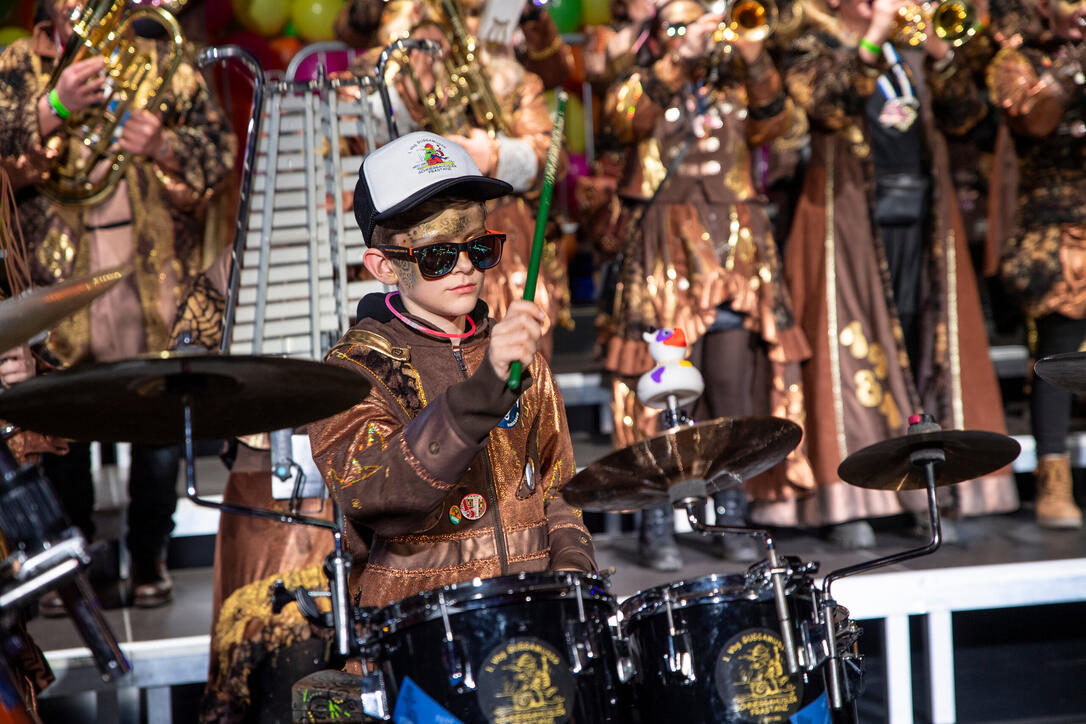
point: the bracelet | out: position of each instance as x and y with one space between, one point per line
58 108
870 47
545 52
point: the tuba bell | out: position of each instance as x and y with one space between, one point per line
462 97
952 21
88 170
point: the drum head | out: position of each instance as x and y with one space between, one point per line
489 593
695 592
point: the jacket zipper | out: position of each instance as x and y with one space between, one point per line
492 491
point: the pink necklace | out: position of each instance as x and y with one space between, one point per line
427 330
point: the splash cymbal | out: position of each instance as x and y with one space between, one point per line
25 316
723 453
969 454
142 400
1067 370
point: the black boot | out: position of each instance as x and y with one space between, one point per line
656 545
731 509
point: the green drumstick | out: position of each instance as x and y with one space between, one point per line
549 172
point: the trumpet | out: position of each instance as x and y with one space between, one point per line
102 28
952 21
751 20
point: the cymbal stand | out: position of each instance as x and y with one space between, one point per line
340 565
925 458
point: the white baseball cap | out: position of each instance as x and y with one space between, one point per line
402 174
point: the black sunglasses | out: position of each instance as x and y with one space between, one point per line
438 260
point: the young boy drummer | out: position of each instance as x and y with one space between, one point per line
453 475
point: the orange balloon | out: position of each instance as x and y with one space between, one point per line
285 47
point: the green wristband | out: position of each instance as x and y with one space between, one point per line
870 47
58 107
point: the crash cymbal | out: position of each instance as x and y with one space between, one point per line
969 454
1067 370
141 400
24 316
723 452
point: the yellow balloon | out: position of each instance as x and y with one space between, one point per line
12 33
595 12
264 17
313 19
574 125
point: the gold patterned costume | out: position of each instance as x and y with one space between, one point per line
859 382
165 203
703 258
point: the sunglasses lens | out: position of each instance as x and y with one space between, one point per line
437 260
486 251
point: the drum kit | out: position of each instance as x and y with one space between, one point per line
770 645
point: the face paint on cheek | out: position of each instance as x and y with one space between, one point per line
409 273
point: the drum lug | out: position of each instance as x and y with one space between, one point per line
457 667
581 645
680 659
375 696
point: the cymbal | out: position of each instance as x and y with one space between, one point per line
723 452
1067 370
24 316
969 454
142 400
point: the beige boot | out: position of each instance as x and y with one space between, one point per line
1055 504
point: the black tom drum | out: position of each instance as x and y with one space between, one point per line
532 648
710 650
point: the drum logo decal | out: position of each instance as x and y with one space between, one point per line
752 678
525 681
473 506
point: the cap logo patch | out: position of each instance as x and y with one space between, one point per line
432 157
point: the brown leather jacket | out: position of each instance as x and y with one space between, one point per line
454 476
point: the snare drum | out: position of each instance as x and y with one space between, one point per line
533 648
710 651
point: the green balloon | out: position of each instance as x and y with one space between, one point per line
313 19
566 14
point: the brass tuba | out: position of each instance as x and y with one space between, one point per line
103 28
462 98
953 21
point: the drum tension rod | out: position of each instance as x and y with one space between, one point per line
776 570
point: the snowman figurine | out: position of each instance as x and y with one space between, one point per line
673 382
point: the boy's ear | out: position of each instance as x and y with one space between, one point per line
380 267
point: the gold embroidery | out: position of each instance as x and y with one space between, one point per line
56 252
372 341
830 250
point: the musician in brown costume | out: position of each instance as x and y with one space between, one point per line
1038 81
878 264
700 254
154 217
515 155
449 472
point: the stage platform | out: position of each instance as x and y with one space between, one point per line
992 629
